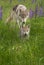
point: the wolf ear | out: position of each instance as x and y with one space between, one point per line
20 10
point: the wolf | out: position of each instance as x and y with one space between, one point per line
20 13
25 31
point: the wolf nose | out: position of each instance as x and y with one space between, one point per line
23 22
25 34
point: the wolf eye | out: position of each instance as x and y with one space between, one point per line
27 30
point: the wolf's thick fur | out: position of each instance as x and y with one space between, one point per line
20 13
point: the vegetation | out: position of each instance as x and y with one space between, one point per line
17 51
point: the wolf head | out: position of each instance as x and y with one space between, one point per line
23 14
24 31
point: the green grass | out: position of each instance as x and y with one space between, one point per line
17 51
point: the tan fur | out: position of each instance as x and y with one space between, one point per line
24 31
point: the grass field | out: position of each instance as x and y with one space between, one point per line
16 51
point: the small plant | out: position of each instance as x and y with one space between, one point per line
0 12
31 13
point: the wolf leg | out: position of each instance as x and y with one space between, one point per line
10 17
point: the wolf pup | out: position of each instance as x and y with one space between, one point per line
24 31
20 13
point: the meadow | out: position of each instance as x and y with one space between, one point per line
17 51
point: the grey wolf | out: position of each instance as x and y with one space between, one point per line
20 13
